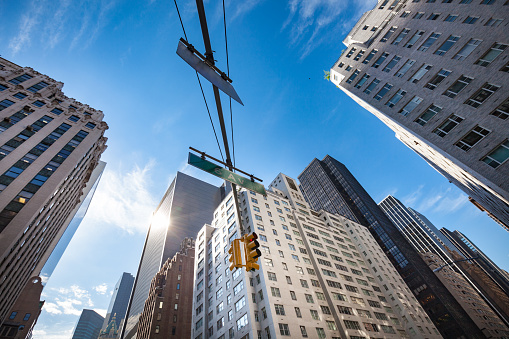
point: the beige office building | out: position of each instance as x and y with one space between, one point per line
321 276
436 73
49 146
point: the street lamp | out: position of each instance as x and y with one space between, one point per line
440 267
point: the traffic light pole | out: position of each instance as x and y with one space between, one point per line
209 56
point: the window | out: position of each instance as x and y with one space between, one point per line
470 20
240 303
314 314
433 16
272 276
387 87
37 87
303 331
451 40
490 55
428 114
467 49
392 63
13 315
482 95
395 98
458 86
418 15
380 60
280 310
56 111
405 14
348 68
353 76
411 105
401 36
359 55
493 22
437 79
19 95
502 111
497 157
275 292
420 73
448 125
292 295
283 329
388 34
429 41
372 86
370 56
242 322
20 79
5 103
239 287
404 68
304 283
309 298
472 138
38 103
352 325
414 39
451 17
325 310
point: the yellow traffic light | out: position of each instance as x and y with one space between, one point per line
235 255
251 251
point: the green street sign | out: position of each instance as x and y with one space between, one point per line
223 173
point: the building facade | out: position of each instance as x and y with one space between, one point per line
329 185
169 306
119 301
88 325
426 239
187 205
49 146
436 73
320 276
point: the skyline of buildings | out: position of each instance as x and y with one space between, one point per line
185 207
88 325
50 145
329 185
427 240
436 74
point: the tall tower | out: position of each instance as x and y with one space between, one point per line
88 325
321 275
329 185
436 73
426 239
119 301
49 146
187 205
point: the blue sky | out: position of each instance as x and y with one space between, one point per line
119 57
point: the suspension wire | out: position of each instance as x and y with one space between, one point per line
228 73
199 82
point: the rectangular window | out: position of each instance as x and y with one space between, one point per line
5 103
470 20
458 86
352 325
392 63
380 60
433 16
401 36
467 49
387 87
493 22
428 114
37 87
429 41
359 55
418 15
414 39
361 82
448 125
38 103
451 17
498 156
472 138
370 56
437 79
412 104
19 95
353 76
20 79
372 86
351 52
502 111
451 40
284 329
482 95
420 73
402 71
491 55
388 34
395 99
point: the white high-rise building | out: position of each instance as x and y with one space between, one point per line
321 276
437 73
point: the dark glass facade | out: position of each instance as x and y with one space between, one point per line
88 325
326 180
119 300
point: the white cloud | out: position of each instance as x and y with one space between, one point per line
413 197
28 22
101 311
58 334
123 199
101 289
68 300
55 30
437 200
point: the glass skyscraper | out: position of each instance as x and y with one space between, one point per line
329 185
187 205
119 300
